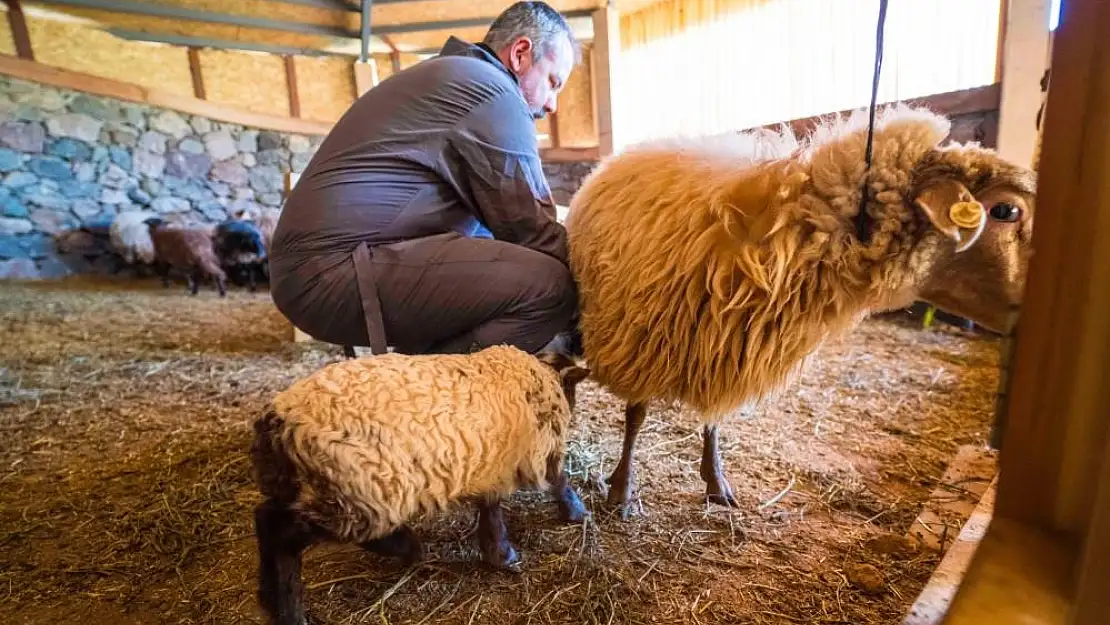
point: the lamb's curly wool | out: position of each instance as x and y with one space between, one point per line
376 442
710 271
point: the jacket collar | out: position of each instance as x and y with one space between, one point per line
458 47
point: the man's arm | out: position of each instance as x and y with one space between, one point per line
493 158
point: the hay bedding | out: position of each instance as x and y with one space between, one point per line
126 498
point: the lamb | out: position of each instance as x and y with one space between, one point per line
130 236
265 218
239 246
188 248
362 447
764 263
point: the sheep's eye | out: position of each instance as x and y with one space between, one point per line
1004 211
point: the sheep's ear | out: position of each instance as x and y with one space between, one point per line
954 211
575 374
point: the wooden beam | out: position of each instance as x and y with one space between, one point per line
291 86
77 81
366 76
950 104
607 46
1023 63
1003 11
553 130
18 24
1054 422
394 53
569 155
194 69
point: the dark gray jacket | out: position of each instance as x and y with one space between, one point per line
446 145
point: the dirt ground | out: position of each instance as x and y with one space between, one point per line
125 415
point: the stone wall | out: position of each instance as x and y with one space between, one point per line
564 178
69 162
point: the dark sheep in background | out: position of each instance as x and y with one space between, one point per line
241 251
187 248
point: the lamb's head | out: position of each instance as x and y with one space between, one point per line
981 209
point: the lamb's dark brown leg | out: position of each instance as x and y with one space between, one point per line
194 281
622 482
402 543
163 271
717 488
349 351
571 509
493 537
282 539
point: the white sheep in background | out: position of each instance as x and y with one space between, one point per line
359 449
130 236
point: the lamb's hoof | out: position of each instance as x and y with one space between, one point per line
571 508
402 544
719 492
503 557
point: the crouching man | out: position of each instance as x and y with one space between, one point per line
424 220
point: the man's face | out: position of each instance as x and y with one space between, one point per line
541 80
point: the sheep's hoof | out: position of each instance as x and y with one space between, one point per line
502 556
718 491
622 494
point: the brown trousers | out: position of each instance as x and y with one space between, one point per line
442 294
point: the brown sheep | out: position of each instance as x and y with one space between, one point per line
188 248
710 275
356 451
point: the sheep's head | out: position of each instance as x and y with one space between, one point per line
570 374
154 222
981 211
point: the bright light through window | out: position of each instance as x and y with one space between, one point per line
1054 15
777 60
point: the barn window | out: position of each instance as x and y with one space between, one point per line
705 67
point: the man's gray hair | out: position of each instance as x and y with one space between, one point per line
535 20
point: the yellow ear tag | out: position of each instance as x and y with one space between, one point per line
966 214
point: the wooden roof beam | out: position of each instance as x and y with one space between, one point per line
175 12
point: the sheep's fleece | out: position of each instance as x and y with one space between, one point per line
376 441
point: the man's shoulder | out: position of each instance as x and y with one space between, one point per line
464 69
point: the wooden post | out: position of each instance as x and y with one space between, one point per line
299 336
194 69
18 24
1023 62
553 129
291 84
366 76
607 48
1046 556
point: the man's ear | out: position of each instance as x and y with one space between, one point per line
954 211
519 51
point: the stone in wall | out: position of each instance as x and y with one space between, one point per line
565 178
70 162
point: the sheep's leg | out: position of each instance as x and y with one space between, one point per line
622 482
717 488
221 285
402 543
163 271
250 279
570 505
282 539
194 281
493 537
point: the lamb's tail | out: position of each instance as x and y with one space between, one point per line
274 472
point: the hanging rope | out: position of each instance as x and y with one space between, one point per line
863 220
